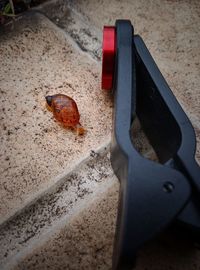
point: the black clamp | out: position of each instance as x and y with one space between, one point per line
152 195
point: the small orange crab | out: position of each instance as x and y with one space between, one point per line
65 111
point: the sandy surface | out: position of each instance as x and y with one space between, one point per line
38 60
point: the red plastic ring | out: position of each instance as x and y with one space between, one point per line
108 57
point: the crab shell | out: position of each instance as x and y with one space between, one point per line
65 111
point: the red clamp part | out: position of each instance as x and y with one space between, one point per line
108 57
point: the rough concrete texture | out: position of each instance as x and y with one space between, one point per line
93 176
87 37
39 60
92 251
83 243
71 224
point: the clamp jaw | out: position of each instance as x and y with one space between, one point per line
152 195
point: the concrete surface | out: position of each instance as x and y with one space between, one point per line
58 192
38 61
90 233
80 188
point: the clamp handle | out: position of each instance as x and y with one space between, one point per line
152 195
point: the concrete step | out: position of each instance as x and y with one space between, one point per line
59 194
39 59
62 203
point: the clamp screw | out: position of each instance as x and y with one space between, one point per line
168 187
